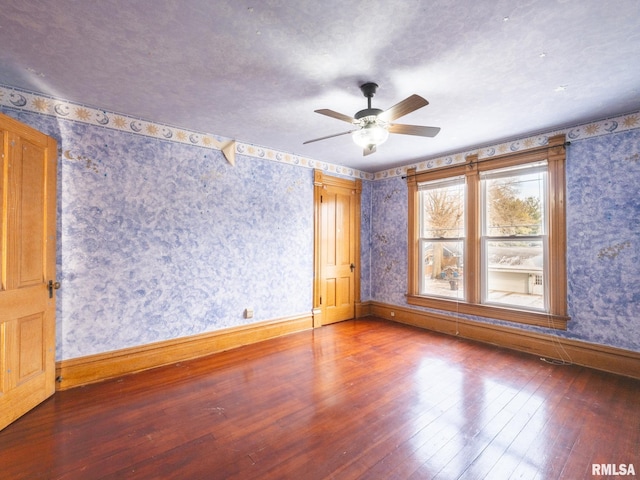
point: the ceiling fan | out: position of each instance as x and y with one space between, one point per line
375 125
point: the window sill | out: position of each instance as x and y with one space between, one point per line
527 317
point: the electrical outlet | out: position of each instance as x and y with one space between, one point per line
393 314
248 312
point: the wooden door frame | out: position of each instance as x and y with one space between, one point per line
320 182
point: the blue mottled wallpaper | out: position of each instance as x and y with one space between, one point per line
603 244
365 240
603 228
389 241
161 240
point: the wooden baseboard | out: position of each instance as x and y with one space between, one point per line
600 357
363 309
317 317
95 368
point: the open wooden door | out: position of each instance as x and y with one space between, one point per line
28 162
337 245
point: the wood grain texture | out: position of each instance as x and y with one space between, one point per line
28 162
600 357
362 399
96 368
337 212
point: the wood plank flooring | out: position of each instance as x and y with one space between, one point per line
363 399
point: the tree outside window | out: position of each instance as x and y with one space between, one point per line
513 238
442 247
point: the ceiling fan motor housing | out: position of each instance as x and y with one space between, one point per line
367 112
368 90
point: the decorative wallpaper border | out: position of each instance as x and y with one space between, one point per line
621 123
15 98
282 157
19 99
46 105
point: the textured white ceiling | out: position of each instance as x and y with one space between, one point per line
255 70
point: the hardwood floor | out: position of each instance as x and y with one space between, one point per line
359 399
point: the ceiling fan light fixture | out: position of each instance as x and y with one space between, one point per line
370 134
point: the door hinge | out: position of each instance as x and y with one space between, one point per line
320 300
320 198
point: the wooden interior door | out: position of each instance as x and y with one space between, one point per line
337 247
28 161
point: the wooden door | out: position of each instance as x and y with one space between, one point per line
337 288
28 240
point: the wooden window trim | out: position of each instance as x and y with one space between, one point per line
555 155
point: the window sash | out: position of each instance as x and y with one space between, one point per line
455 183
515 286
539 168
528 168
447 281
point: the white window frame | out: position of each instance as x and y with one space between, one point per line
425 187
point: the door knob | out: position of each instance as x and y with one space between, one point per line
53 286
352 267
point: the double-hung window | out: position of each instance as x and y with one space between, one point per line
514 251
487 237
442 237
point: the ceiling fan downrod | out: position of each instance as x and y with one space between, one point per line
368 90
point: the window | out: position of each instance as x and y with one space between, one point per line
487 237
442 238
513 239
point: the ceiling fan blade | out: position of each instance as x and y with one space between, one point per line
328 136
332 114
414 130
408 105
369 150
